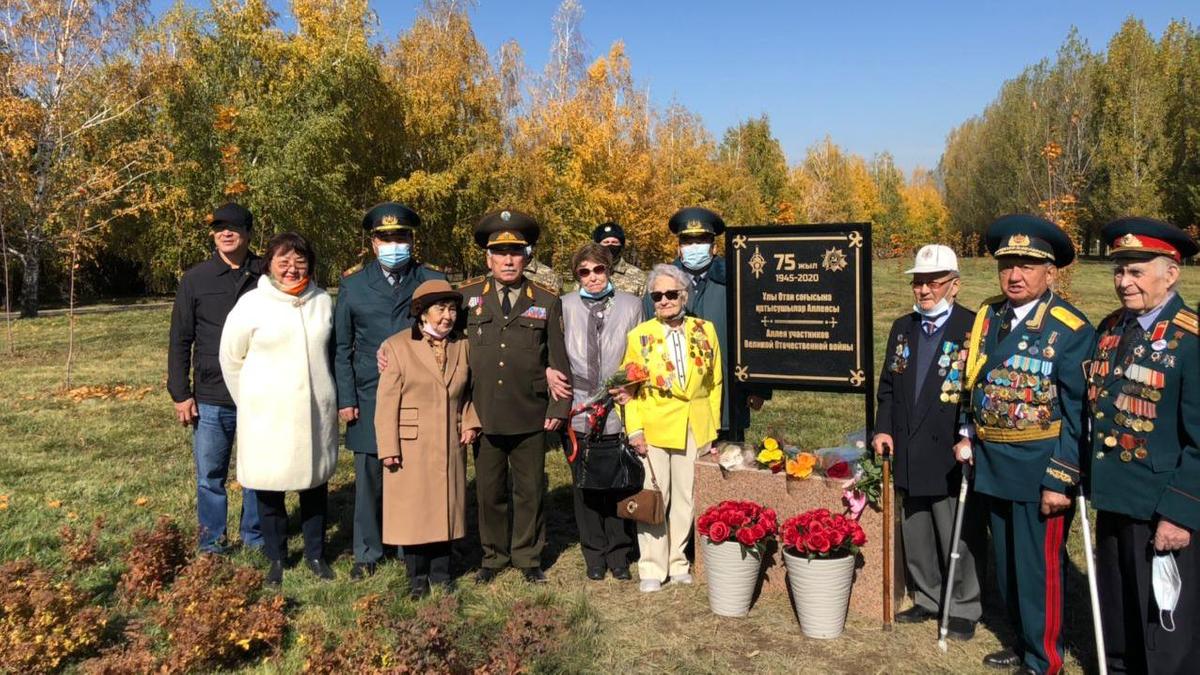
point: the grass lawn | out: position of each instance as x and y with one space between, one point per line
66 461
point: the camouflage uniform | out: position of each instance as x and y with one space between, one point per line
628 278
543 275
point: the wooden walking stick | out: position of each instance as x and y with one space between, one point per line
885 489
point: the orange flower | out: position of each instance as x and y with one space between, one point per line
54 503
802 465
141 501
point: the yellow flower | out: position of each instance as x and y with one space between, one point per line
802 466
770 456
770 443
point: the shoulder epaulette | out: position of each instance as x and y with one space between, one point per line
435 268
1110 320
472 281
1069 318
351 270
1186 319
544 288
991 301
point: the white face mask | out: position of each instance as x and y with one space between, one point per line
942 305
433 332
1164 578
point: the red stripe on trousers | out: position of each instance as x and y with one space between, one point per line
1054 600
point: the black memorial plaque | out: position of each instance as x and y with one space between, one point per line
800 307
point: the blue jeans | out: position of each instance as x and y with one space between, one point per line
212 445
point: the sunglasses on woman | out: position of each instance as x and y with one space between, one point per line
584 272
659 295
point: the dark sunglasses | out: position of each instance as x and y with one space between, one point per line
585 271
659 295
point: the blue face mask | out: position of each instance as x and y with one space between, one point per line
394 255
696 256
608 288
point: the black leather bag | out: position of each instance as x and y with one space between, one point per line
608 463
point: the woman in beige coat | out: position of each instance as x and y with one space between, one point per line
423 420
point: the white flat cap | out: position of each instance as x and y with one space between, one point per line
934 258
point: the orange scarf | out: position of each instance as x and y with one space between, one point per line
295 290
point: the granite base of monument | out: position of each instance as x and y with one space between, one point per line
791 497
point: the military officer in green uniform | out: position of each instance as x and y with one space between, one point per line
1144 473
372 305
624 276
515 330
1025 421
542 275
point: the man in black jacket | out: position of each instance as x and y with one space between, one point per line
920 392
206 294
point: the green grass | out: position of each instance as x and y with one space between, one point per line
99 457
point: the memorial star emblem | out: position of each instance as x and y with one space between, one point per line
834 260
757 263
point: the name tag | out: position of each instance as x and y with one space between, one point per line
535 313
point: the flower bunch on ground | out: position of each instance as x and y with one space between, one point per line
745 522
821 534
770 455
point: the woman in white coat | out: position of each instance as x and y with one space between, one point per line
275 356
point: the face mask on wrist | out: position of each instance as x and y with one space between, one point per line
393 255
696 256
942 306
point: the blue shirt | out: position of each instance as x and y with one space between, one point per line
1146 320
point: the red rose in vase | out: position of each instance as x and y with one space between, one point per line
718 533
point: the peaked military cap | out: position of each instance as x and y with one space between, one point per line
695 220
1029 236
390 217
231 216
1145 238
606 230
506 228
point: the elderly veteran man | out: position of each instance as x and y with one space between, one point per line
515 329
624 277
1144 474
1025 389
372 305
920 394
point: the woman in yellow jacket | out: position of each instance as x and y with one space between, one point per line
673 418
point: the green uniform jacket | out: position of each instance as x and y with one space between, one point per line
1143 473
1027 399
368 311
509 357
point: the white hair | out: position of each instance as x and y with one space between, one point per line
664 270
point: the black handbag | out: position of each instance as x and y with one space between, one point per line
607 463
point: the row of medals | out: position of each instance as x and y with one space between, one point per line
950 366
1136 404
1019 392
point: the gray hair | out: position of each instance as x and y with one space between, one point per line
664 270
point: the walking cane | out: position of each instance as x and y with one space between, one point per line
885 488
1093 590
955 542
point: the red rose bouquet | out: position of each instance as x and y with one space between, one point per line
821 534
747 523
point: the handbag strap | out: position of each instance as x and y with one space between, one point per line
653 478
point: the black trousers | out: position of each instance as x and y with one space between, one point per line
525 456
1134 640
273 515
368 508
428 562
606 540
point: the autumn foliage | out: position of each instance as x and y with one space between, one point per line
44 622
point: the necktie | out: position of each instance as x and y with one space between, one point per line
930 323
506 300
1006 319
396 277
1132 333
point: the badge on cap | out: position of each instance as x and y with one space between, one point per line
1018 240
389 221
505 216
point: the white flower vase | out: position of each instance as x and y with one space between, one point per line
821 592
731 576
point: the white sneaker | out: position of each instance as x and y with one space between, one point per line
684 578
650 585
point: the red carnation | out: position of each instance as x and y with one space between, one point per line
718 533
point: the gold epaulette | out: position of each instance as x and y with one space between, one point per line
1110 320
351 270
1069 318
474 280
1186 319
435 268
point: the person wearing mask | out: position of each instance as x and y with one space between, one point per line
206 293
672 418
624 276
423 420
373 304
596 319
1024 415
1144 471
920 394
275 357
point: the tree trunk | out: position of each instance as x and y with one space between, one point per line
29 281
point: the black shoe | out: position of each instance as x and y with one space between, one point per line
534 575
1005 658
596 573
622 574
915 614
320 568
275 573
1025 670
362 570
958 628
485 575
419 588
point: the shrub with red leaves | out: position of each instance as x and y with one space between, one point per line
153 561
81 550
43 623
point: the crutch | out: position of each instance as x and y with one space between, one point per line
1093 590
955 541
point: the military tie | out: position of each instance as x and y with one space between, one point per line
1006 319
506 300
1132 333
396 278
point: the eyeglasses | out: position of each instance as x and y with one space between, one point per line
933 285
298 265
584 272
670 295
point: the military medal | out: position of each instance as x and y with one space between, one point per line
1023 345
1048 352
1158 345
1139 350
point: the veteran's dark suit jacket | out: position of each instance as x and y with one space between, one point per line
924 429
368 311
